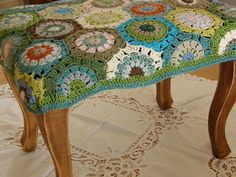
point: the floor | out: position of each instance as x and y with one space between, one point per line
209 73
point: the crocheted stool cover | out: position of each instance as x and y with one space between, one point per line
63 52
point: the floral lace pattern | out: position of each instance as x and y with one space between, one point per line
5 91
128 162
225 167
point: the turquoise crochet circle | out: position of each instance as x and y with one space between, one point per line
151 32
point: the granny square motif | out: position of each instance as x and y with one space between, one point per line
63 52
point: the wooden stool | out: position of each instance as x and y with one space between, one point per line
66 54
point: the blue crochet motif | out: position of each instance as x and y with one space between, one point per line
158 46
64 11
73 73
180 38
50 60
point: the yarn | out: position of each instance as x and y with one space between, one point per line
60 53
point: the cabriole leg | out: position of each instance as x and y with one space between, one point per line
54 128
30 132
223 101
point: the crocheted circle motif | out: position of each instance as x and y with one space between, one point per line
22 9
196 21
107 3
75 79
150 32
227 42
134 61
103 18
182 54
15 20
224 40
63 11
54 29
96 41
187 47
149 8
41 55
200 4
225 11
84 71
99 44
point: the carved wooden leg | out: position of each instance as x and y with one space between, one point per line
54 128
223 101
30 132
163 96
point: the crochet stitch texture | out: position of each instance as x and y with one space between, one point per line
63 52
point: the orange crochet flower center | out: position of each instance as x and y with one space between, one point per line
155 9
39 52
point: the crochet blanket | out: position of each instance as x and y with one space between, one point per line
61 53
